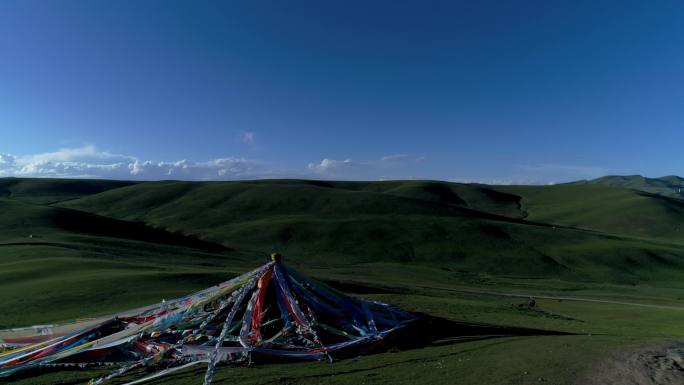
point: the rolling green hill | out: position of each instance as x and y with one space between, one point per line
610 259
671 185
51 256
574 232
606 209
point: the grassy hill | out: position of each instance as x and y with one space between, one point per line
671 185
54 261
54 190
72 248
576 232
607 209
360 221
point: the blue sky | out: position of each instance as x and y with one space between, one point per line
493 91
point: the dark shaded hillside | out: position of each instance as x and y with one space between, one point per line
476 197
53 190
25 223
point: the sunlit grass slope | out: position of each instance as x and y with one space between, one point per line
602 208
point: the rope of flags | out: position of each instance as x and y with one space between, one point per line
272 313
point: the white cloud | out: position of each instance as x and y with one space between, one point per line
396 164
248 137
86 154
6 159
331 165
83 161
88 162
402 158
223 168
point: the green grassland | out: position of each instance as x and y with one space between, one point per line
72 249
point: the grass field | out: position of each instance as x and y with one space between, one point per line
72 249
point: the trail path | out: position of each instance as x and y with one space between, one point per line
543 296
655 365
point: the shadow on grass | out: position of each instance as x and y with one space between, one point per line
428 330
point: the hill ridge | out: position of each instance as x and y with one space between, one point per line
669 185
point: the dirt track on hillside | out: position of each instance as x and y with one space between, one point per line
655 365
552 297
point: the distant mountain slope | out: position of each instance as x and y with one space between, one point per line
238 200
407 221
672 185
364 220
477 197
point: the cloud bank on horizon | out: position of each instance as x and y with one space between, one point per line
90 162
